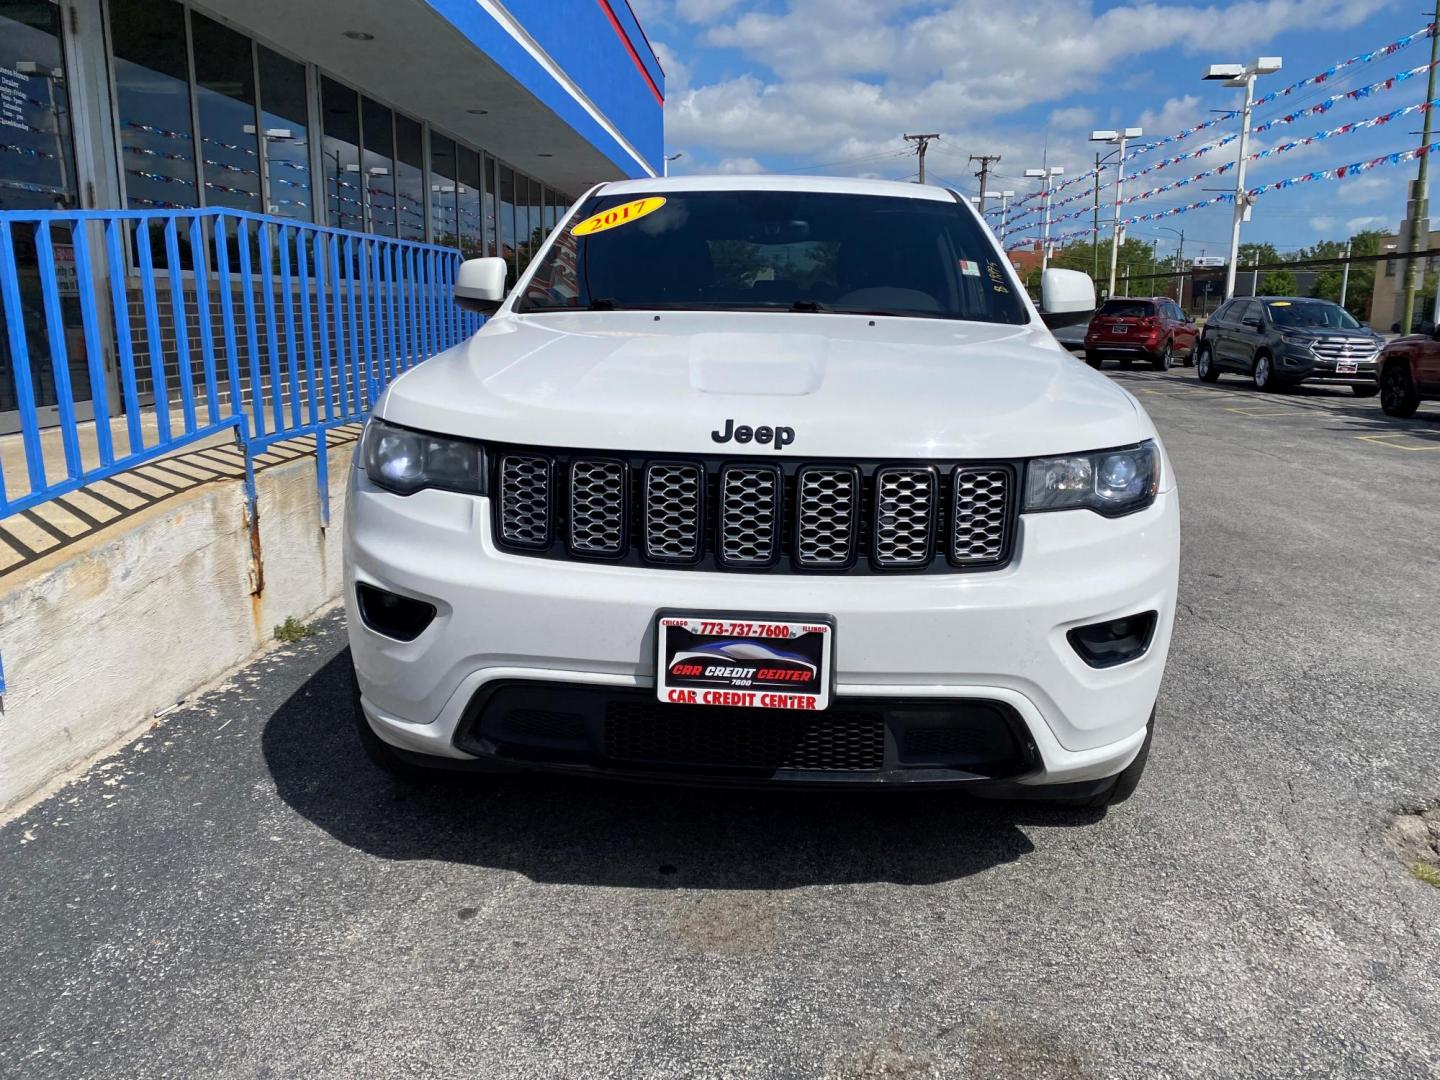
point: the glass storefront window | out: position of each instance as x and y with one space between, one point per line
471 243
488 203
37 172
442 190
507 218
225 100
285 134
152 91
377 166
409 178
37 158
340 156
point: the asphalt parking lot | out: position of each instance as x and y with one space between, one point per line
238 894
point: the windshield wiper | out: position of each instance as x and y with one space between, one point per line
601 303
808 305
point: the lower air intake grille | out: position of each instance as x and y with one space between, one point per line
835 741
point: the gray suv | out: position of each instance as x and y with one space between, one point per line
1280 341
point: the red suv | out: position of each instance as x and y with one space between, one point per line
1150 328
1409 371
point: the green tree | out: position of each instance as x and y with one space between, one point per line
1278 283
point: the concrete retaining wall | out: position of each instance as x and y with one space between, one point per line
103 634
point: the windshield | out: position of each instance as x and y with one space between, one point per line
1136 309
775 250
1311 314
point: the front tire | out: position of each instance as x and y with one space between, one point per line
1093 359
1399 396
1263 374
1205 369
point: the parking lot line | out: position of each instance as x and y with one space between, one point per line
1251 411
1389 440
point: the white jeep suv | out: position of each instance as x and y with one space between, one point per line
764 479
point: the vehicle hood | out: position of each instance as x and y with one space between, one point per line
848 386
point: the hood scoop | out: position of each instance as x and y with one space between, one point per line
788 365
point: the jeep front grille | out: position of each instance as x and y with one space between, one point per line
810 517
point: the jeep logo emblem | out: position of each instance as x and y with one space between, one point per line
780 436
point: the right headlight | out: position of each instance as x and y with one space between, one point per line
1110 482
405 461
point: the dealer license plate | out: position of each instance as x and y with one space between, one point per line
745 661
1346 367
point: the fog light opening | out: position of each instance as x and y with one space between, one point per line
1117 641
400 617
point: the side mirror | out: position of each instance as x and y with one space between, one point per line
1065 293
480 285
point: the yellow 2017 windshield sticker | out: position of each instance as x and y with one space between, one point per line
616 216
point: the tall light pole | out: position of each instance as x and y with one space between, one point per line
1419 208
1179 263
1241 76
1117 231
1046 177
669 158
1005 197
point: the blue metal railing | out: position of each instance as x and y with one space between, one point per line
217 320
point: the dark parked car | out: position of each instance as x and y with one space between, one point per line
1280 341
1140 328
1409 373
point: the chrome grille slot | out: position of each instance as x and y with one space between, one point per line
525 500
904 515
980 515
674 496
827 513
597 507
749 528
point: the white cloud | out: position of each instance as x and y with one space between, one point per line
1077 117
1368 189
1322 223
832 78
703 11
739 165
1375 221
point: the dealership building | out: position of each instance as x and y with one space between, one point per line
469 124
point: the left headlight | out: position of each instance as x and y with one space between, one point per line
404 461
1110 482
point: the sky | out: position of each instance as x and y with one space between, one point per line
830 86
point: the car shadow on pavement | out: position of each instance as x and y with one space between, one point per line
594 832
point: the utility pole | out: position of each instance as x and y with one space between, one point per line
984 171
921 142
1419 203
1345 273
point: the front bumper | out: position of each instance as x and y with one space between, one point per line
993 640
1302 365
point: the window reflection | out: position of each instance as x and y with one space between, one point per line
225 99
340 155
471 245
507 216
409 178
37 162
442 190
489 204
284 134
152 94
378 166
